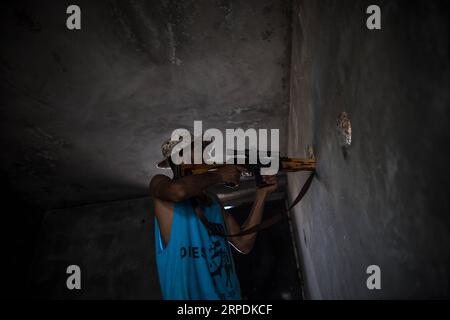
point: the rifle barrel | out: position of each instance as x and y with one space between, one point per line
286 165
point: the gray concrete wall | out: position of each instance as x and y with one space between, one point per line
112 243
84 113
385 201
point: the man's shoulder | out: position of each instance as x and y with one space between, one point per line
159 177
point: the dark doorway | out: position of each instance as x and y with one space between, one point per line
270 270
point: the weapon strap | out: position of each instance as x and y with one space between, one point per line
213 229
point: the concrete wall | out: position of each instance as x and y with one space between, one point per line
385 200
112 243
84 113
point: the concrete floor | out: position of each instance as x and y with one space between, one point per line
384 201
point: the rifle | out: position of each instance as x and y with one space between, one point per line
286 165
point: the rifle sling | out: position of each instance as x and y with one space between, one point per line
263 225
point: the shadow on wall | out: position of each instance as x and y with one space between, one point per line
21 224
113 245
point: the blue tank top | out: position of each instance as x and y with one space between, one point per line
194 264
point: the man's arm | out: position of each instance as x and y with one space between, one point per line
168 191
176 190
245 243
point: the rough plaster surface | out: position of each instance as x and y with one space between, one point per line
84 113
384 201
112 243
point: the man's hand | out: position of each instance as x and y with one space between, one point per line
272 182
245 243
230 174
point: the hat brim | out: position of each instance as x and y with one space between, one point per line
164 164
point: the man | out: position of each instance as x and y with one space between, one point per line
192 261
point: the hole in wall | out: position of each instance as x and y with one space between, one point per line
344 128
304 237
